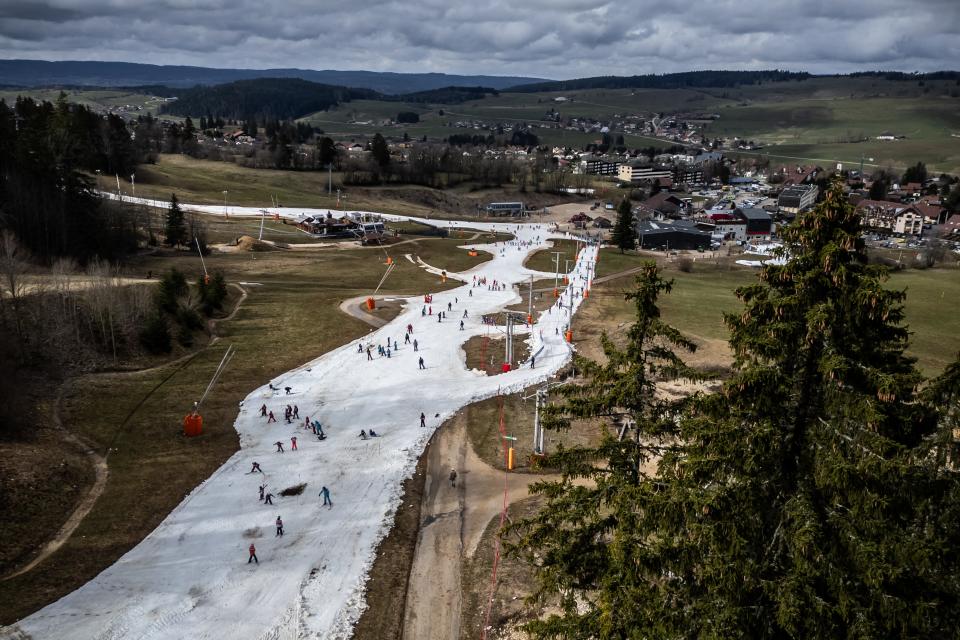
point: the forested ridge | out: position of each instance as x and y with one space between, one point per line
263 99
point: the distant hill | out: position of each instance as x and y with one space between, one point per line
448 95
664 81
263 99
37 73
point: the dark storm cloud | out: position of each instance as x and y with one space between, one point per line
551 38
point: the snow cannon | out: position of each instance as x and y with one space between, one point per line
566 279
371 304
510 459
389 260
556 292
192 424
568 335
472 253
586 293
529 318
506 367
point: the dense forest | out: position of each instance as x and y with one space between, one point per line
448 95
47 199
263 99
665 81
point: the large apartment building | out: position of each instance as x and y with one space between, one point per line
641 172
797 199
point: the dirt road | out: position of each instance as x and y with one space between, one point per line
453 518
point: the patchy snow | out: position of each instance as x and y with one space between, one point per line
190 577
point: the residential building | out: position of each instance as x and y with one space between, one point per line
601 166
797 199
687 174
641 172
663 205
893 217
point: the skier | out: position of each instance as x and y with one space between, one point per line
461 325
296 412
263 411
409 328
271 418
415 345
423 419
359 347
453 477
325 493
449 306
253 555
279 446
533 361
287 389
465 314
268 499
440 317
422 366
363 434
406 339
471 293
262 487
279 527
388 353
373 434
293 443
256 468
423 311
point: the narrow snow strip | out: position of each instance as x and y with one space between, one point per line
190 577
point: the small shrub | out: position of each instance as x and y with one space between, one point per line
185 336
155 335
295 490
685 264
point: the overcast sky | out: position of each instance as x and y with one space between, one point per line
545 38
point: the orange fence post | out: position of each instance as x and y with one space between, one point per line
510 459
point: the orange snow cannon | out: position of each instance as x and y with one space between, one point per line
568 335
192 424
371 304
556 292
389 260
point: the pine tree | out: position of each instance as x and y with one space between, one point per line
624 235
176 228
811 498
586 538
380 152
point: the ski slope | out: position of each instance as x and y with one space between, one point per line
190 577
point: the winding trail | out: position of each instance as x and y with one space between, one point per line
190 577
99 462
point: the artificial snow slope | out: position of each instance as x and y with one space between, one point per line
190 577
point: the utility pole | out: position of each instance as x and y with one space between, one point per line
556 275
508 356
530 303
330 179
225 203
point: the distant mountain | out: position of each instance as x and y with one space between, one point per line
36 73
663 81
263 99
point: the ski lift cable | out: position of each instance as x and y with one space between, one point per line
227 357
390 269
